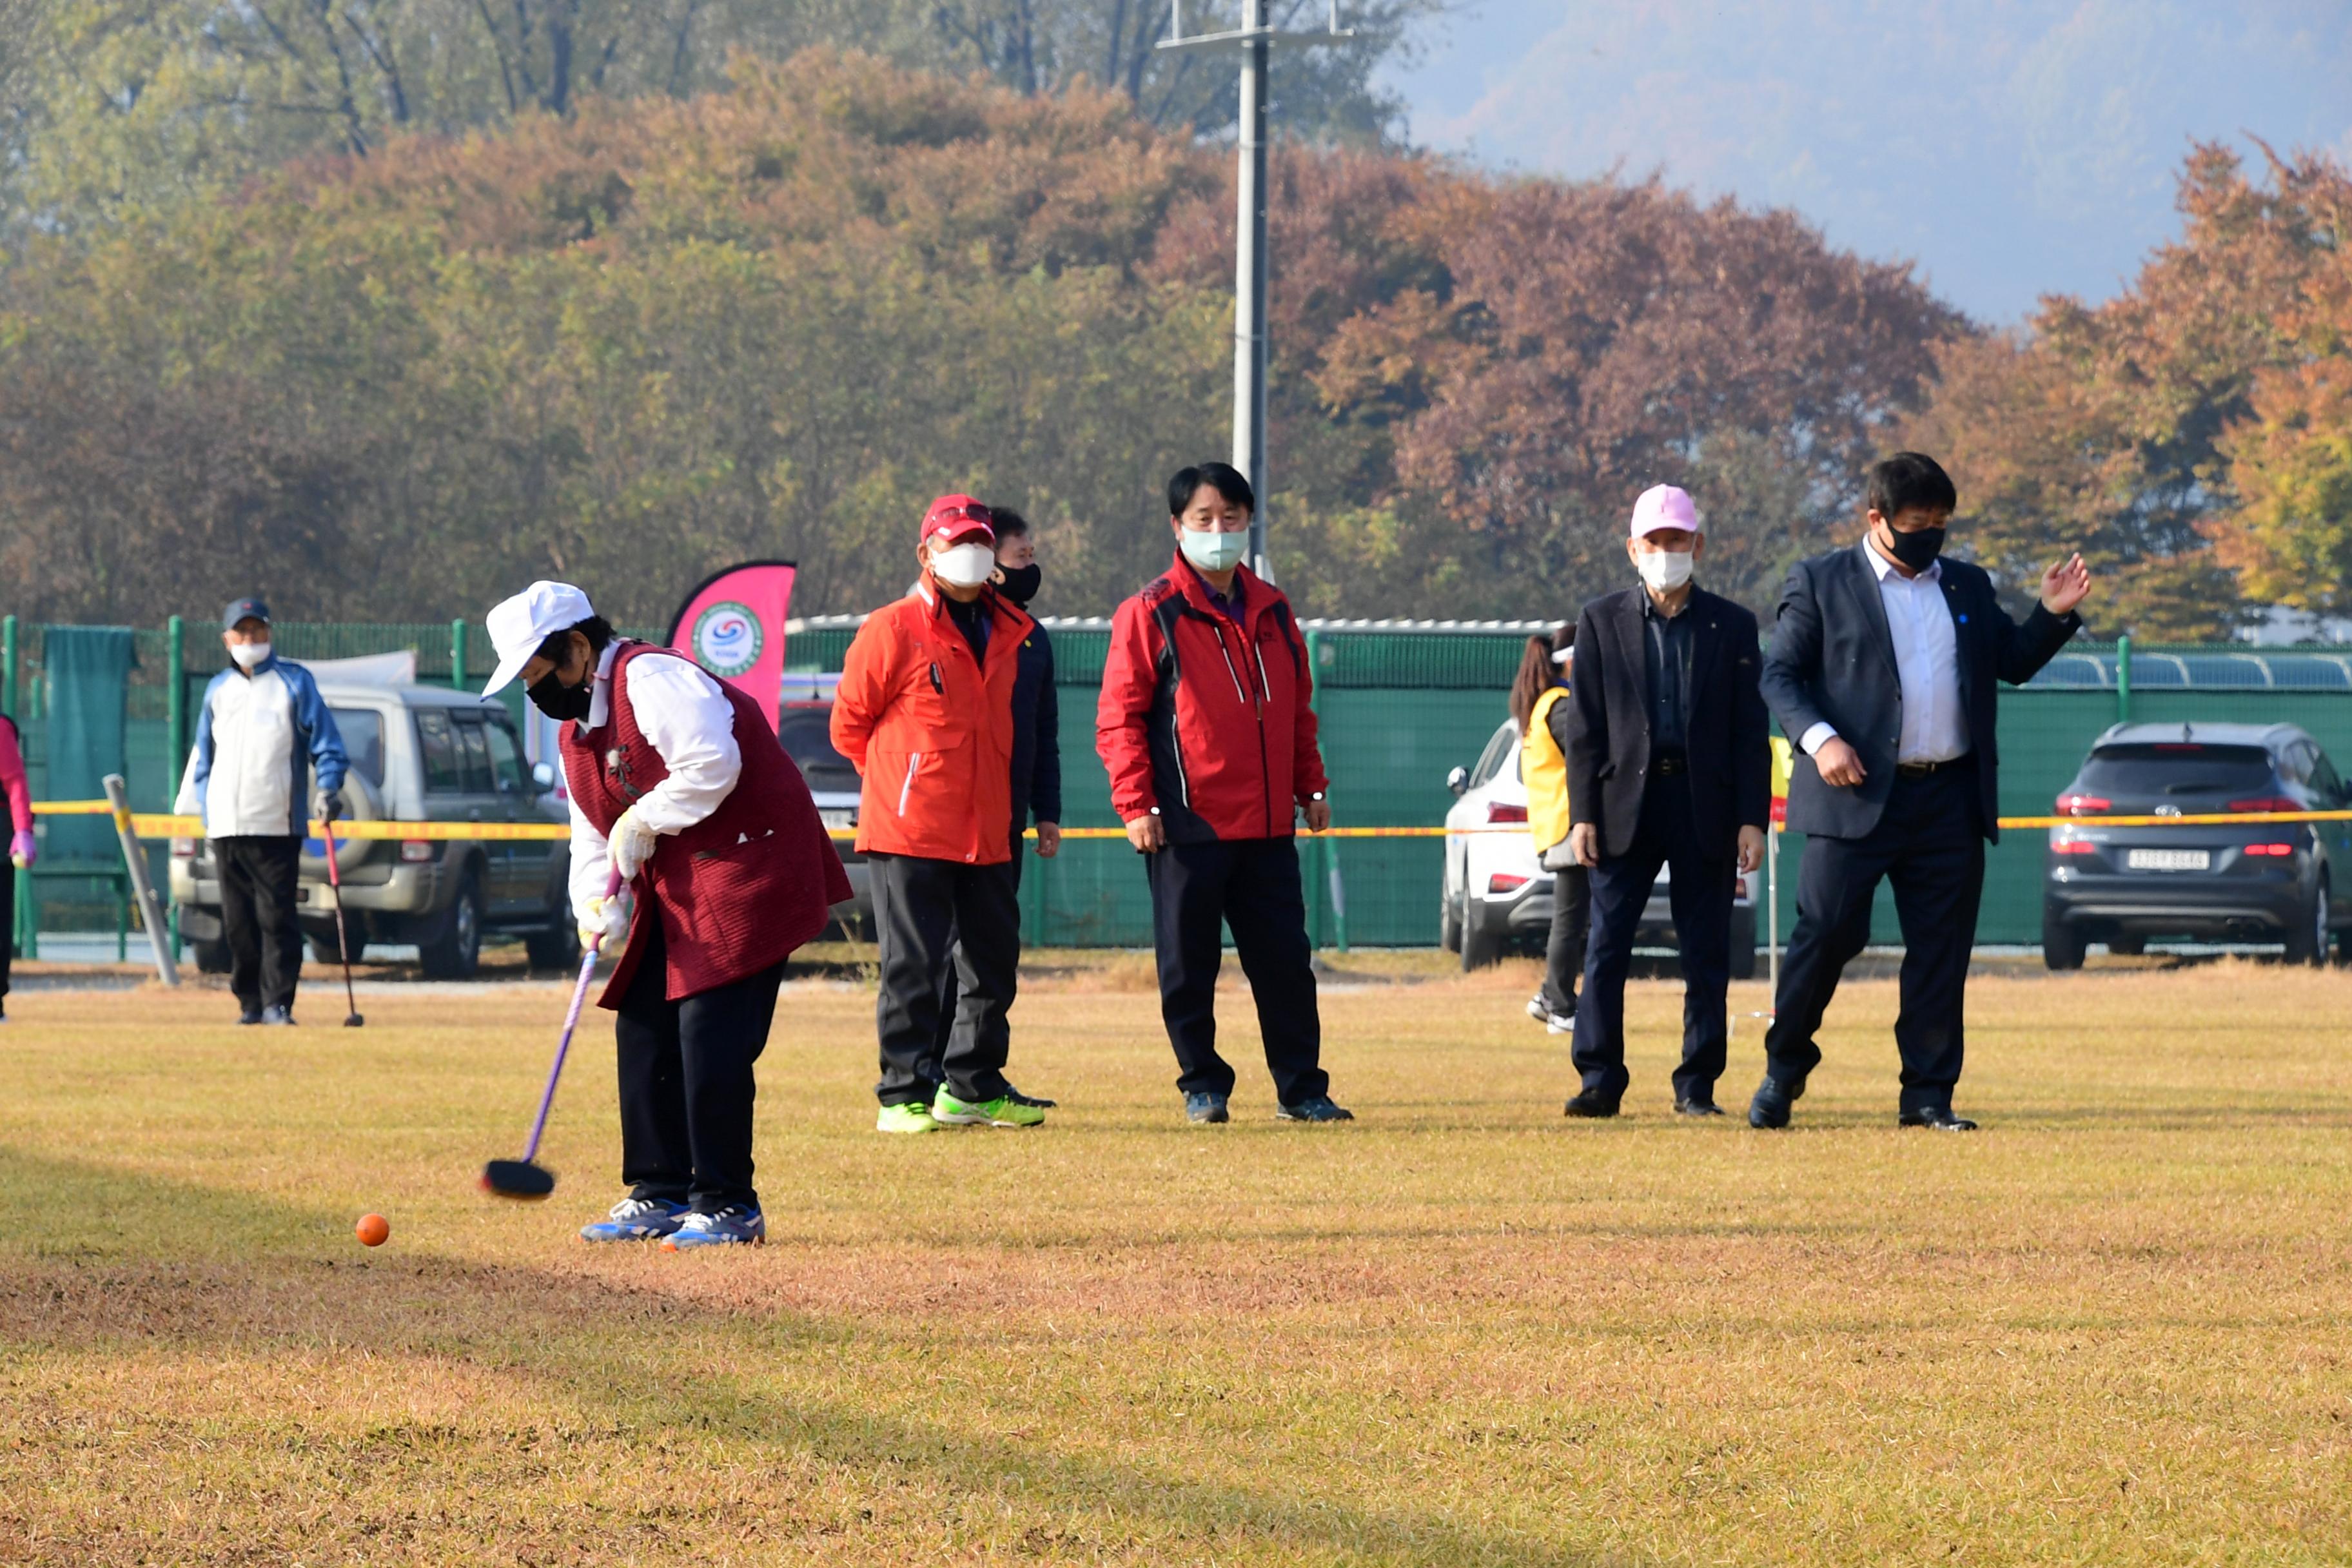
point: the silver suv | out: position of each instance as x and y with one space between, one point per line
419 753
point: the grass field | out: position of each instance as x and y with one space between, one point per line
2114 1327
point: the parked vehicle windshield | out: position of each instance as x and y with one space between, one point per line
2174 768
363 732
807 735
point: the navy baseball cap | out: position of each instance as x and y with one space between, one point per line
242 610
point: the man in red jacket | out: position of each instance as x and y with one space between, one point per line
925 712
1205 728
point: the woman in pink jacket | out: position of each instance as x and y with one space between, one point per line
22 850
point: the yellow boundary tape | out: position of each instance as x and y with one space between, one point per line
155 825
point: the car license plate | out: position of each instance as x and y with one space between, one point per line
2170 859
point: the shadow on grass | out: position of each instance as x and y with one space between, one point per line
152 1262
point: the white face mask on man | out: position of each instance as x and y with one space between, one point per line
964 565
1663 570
248 654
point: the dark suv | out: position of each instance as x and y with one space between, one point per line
2234 881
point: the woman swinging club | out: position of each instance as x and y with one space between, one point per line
679 786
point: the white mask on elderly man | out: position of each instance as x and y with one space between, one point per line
964 565
1664 569
248 654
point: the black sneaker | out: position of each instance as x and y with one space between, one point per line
1318 1109
1203 1107
1589 1105
1017 1098
250 1015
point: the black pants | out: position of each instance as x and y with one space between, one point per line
685 1079
931 916
1701 892
1930 845
8 925
257 879
951 993
1252 885
1571 918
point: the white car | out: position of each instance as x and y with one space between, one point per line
1497 896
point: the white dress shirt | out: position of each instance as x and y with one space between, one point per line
690 725
1927 661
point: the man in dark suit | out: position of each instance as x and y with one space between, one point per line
1669 763
1883 670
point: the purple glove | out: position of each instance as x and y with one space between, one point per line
24 849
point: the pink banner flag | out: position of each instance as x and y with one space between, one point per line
733 626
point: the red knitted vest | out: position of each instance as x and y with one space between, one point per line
742 888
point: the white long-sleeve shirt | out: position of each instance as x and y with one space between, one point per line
687 718
1926 662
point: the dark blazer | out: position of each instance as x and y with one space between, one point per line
1036 733
1727 735
1832 658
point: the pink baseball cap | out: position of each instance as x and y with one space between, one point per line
957 517
1664 506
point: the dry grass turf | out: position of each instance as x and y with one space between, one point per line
2116 1327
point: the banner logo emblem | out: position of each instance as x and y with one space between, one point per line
727 638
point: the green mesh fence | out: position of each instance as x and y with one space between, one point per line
1400 705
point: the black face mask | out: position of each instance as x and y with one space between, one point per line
556 701
1916 551
1020 584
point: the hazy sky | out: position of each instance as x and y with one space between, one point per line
2011 147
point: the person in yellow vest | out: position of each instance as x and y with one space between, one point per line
1537 694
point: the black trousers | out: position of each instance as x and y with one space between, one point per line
1252 885
951 993
257 879
1571 920
7 925
685 1079
1930 845
931 916
1701 893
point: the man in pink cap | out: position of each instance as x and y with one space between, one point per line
925 712
1669 763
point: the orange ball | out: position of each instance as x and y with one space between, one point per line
373 1229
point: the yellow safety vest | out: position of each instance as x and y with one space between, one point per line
1544 769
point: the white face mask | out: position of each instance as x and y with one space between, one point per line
964 565
1663 570
1214 552
248 654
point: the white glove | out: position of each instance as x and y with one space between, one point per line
605 920
632 845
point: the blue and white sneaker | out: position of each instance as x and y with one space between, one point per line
727 1227
635 1219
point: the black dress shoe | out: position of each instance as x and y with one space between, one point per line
1770 1109
250 1015
1590 1105
1939 1117
1697 1108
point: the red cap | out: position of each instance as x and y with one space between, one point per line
957 517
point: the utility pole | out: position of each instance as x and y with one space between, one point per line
1255 38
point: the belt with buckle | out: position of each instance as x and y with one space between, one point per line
1921 770
1668 765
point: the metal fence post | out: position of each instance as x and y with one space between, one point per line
2123 678
457 654
175 643
8 666
134 860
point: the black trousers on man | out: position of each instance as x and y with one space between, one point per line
952 994
1701 892
8 928
1571 922
929 916
685 1079
1252 885
1929 844
257 879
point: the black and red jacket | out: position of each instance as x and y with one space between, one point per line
1204 718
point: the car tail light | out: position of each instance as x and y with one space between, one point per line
2083 804
1504 882
2074 847
184 848
2266 803
2270 849
415 849
1500 811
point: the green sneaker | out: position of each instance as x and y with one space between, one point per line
1005 1110
915 1117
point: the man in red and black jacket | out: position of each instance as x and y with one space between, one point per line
1206 731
